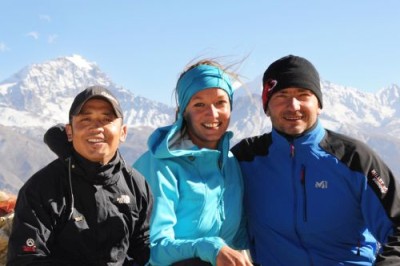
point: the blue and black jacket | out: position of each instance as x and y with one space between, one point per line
319 199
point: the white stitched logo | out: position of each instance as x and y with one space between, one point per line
322 184
29 246
124 199
30 242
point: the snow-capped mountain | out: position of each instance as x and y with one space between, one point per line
40 95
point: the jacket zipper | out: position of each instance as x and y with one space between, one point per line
303 184
291 150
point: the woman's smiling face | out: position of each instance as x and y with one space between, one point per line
207 116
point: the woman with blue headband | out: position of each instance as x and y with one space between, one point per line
196 182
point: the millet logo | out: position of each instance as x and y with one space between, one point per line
321 184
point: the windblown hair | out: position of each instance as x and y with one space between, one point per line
211 62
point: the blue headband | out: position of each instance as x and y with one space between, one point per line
200 78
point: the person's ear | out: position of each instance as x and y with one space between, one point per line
267 112
124 133
68 131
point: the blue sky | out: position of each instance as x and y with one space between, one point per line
143 45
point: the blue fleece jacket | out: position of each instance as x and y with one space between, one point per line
318 199
198 198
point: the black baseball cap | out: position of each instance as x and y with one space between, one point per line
94 92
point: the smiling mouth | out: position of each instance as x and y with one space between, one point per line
95 140
293 118
212 125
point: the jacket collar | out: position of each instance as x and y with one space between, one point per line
96 173
311 137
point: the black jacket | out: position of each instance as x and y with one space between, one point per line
75 212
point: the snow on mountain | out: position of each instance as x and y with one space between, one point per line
40 95
350 106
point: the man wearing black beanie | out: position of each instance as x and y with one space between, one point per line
313 196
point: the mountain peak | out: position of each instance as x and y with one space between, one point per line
79 61
40 91
39 94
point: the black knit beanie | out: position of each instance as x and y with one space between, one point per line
290 71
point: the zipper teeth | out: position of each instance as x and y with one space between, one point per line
303 183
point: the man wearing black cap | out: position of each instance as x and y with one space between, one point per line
312 196
87 208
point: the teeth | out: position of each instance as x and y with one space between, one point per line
95 140
293 118
211 124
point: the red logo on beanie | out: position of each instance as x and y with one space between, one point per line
268 87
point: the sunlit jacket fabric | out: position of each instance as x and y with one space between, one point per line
197 198
319 199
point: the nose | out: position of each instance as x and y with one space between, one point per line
294 103
97 126
212 110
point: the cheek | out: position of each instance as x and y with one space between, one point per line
111 131
226 113
79 129
188 117
117 131
114 131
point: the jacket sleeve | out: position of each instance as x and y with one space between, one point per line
241 239
380 200
139 248
385 224
32 228
165 248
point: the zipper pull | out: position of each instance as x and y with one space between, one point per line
291 150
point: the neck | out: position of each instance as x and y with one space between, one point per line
293 137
